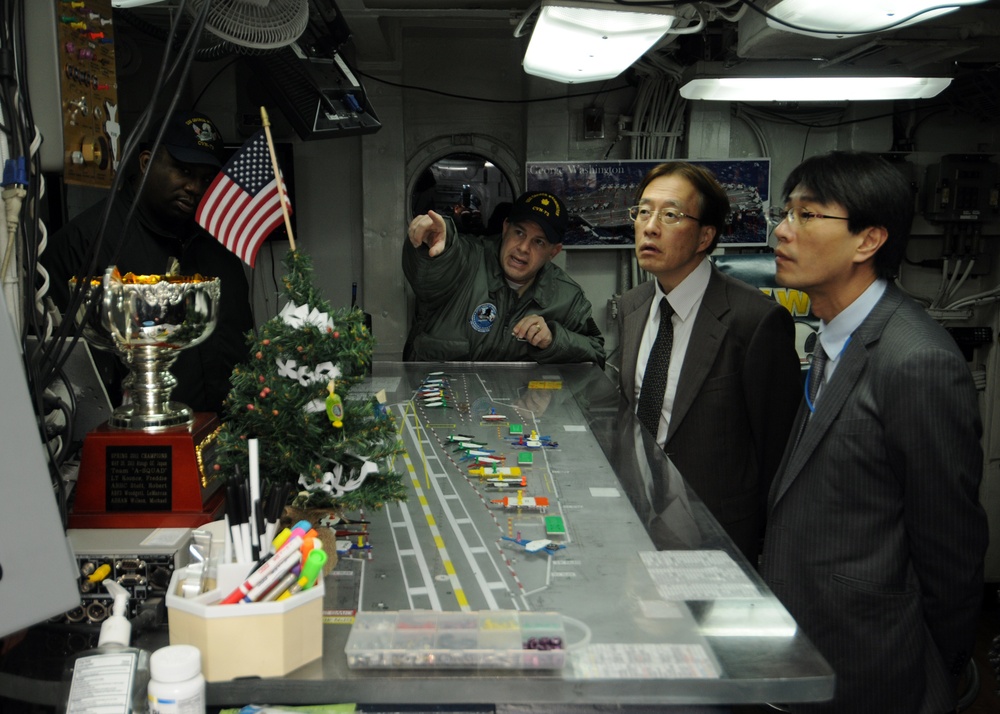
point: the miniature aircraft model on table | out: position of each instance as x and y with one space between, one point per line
539 503
501 483
543 545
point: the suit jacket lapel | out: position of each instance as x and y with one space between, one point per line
634 324
707 337
834 395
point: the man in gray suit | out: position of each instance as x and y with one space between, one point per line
721 396
875 536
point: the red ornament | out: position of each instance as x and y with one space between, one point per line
336 334
263 394
275 412
265 342
259 355
250 407
260 379
216 467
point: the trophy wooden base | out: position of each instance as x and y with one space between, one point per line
131 478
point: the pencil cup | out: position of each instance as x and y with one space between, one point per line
262 639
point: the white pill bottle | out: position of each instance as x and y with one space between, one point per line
176 685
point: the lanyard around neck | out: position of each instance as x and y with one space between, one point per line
809 374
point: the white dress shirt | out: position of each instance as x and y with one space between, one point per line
685 299
836 334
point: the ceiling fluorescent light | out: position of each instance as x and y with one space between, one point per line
848 18
785 82
591 41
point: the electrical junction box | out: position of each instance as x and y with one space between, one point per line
962 188
142 560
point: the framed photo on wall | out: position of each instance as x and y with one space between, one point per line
599 193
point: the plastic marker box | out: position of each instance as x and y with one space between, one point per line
489 639
257 639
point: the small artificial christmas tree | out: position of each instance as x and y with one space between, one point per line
293 397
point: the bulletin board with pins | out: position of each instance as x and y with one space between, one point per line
91 132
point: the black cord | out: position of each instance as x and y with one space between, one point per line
789 120
214 77
45 367
487 99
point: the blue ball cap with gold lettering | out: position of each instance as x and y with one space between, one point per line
191 137
545 209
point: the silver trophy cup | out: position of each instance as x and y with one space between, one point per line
147 320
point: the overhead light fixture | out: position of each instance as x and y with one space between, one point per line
855 17
802 82
576 42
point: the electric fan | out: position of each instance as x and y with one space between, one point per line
256 24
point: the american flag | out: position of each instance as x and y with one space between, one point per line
242 206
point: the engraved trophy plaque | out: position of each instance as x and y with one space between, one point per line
143 468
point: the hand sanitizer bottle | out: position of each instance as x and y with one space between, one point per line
113 676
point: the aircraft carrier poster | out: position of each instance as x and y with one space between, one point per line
599 193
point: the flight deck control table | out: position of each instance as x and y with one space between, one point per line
653 641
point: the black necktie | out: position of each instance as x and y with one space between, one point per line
654 378
816 373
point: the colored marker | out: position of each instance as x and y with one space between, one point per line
282 587
287 552
310 571
274 577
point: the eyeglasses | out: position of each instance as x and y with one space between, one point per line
667 216
801 216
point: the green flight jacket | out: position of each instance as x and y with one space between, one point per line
465 311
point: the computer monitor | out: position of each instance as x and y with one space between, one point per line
38 577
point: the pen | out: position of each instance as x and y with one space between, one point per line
233 513
308 541
278 497
281 588
279 540
260 562
288 552
257 528
241 489
254 501
284 567
227 542
310 571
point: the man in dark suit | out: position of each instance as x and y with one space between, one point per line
875 536
733 379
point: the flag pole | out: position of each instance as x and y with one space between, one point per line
277 177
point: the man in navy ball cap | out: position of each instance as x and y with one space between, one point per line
498 298
191 137
162 237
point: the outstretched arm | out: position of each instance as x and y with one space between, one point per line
428 230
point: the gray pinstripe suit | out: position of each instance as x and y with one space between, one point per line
875 536
739 387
